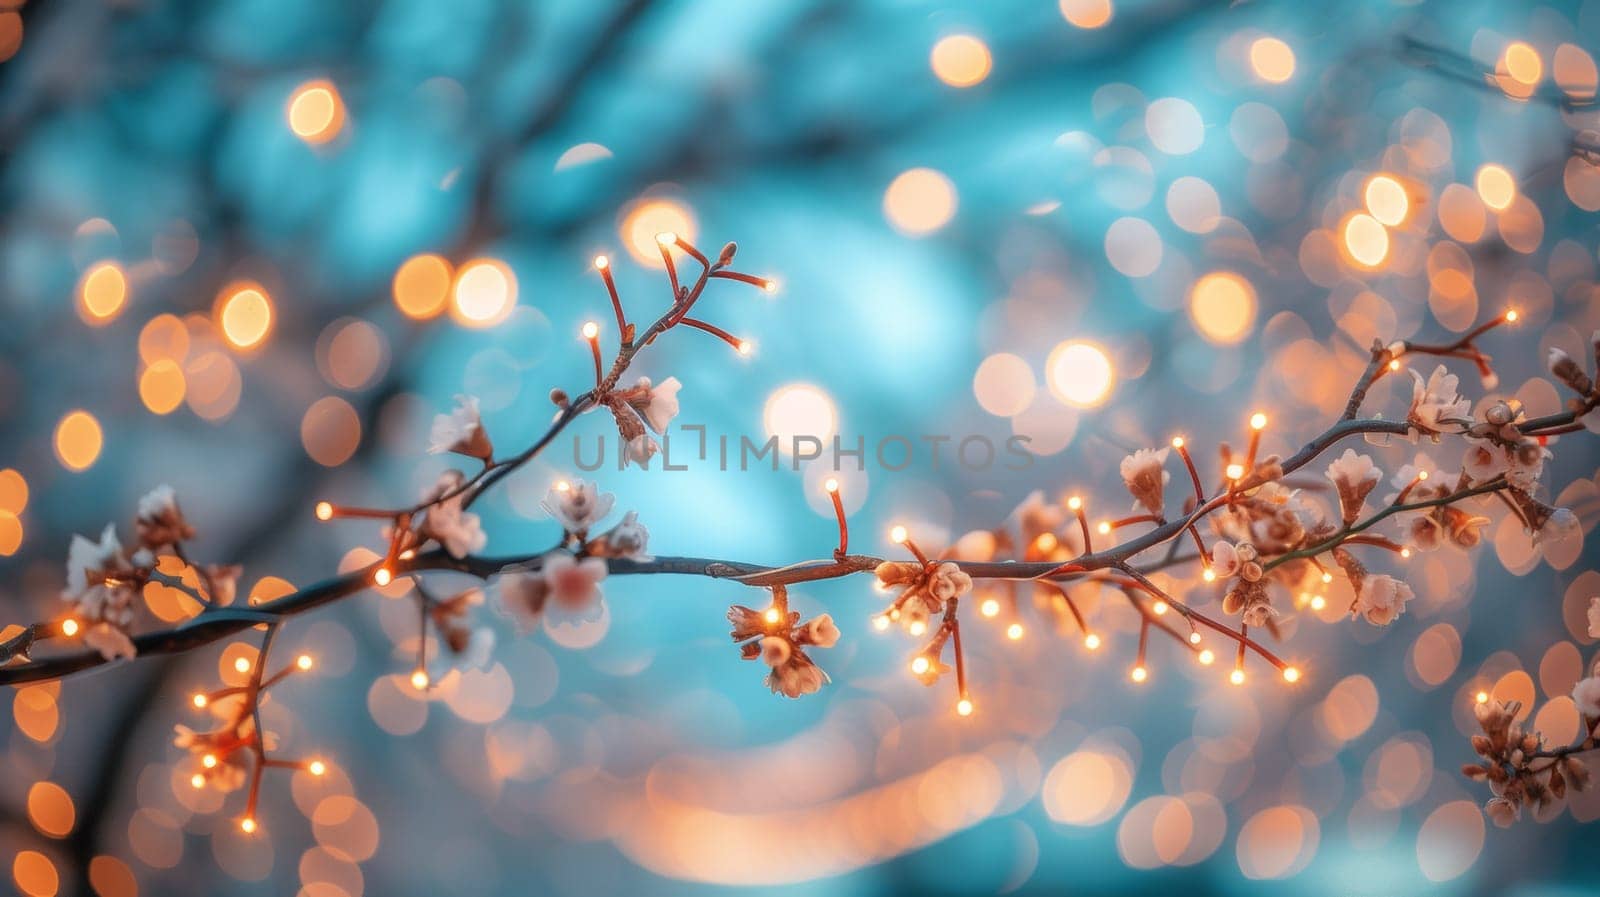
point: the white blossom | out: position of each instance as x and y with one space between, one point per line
84 555
447 522
1586 694
577 505
158 521
461 431
657 404
1483 460
1436 404
1143 474
1502 812
1354 477
796 679
519 596
775 651
1381 599
1224 559
947 581
628 539
822 632
574 585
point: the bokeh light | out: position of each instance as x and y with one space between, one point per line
1080 373
244 314
1271 59
1222 305
485 293
960 60
315 112
78 440
421 286
1086 13
919 201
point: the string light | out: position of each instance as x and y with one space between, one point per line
964 707
601 263
200 701
1235 471
666 238
1511 316
989 608
917 627
1291 674
247 825
1258 421
419 680
69 627
242 664
897 535
591 330
316 767
324 510
382 576
1074 503
1091 641
1236 677
1194 638
197 780
772 615
1208 575
1206 657
1481 697
880 623
1014 631
1318 602
920 665
1138 674
209 761
1160 608
303 662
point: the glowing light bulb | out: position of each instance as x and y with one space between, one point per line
1394 365
316 767
69 627
1209 575
1234 471
772 615
382 577
601 263
1511 316
745 348
964 707
242 664
1160 608
1318 602
197 780
1091 641
989 607
770 285
1177 442
419 680
880 622
591 330
1422 475
247 825
1405 552
666 238
1207 656
1014 631
1481 697
1327 577
917 627
303 662
1104 528
1046 542
1258 421
830 485
1074 503
1194 638
920 665
1291 674
209 761
324 510
200 701
1236 677
563 486
1138 674
897 535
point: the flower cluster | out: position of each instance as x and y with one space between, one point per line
779 638
641 409
1436 404
1520 772
104 579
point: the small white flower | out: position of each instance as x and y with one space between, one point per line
775 651
574 585
1586 694
1559 527
1525 464
1484 460
641 449
1354 476
1436 404
461 431
948 581
628 539
657 404
84 555
796 678
1594 617
158 521
519 596
1381 599
578 505
458 530
822 632
110 641
1143 474
1501 812
1224 559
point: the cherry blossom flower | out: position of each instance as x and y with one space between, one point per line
471 646
657 404
1586 694
520 596
1142 473
628 539
778 638
574 585
101 592
1525 464
447 522
1502 812
822 632
793 679
158 521
1354 477
1484 460
1436 404
1224 559
577 505
461 432
775 651
947 581
1381 599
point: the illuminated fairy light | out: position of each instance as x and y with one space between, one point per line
1258 421
960 60
1481 697
920 665
316 767
1015 631
897 535
1080 374
591 330
989 608
1235 471
419 680
1495 186
1208 574
69 627
964 707
1318 602
1194 638
1272 60
200 701
1092 642
242 664
244 314
324 510
773 615
1138 674
382 576
1291 674
1104 528
1206 657
880 623
484 293
1236 677
197 781
209 761
918 628
247 825
1386 200
1366 240
1160 608
1511 316
303 663
315 112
